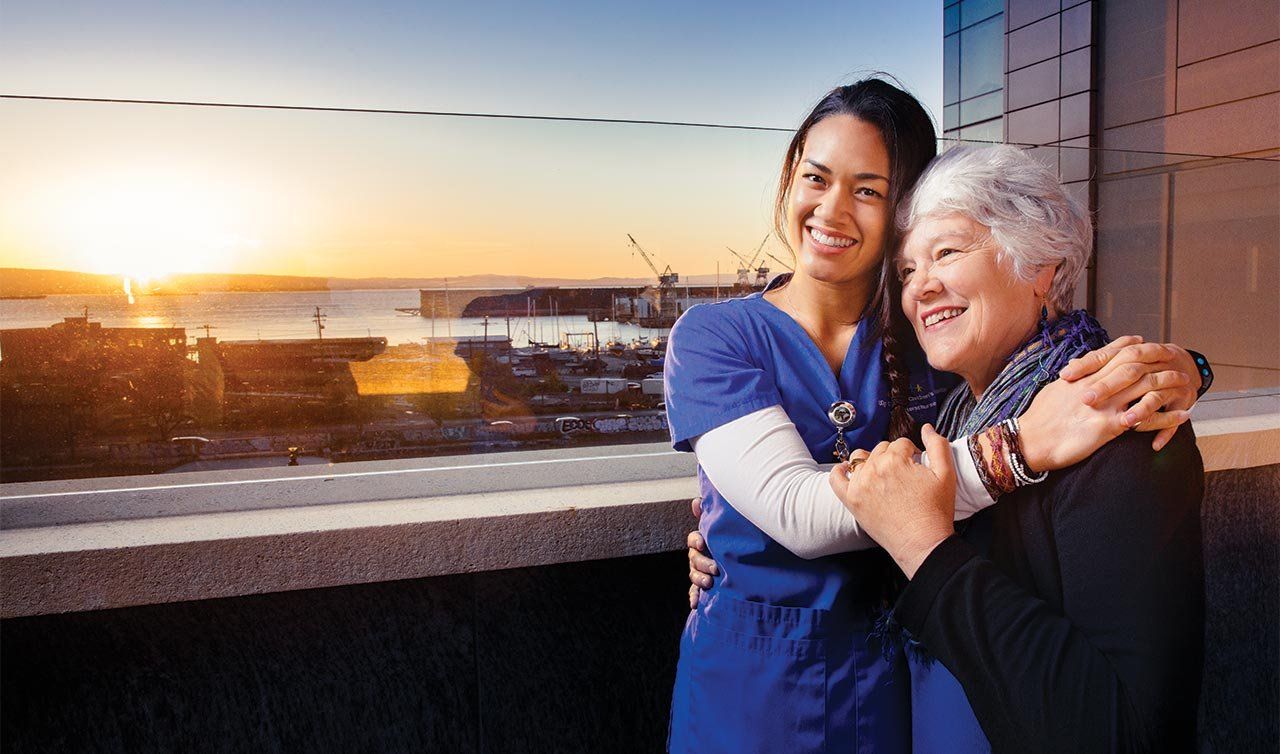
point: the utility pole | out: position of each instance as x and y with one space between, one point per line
319 319
448 322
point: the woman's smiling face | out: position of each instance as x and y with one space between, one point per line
838 210
968 309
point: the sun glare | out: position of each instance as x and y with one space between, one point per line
149 225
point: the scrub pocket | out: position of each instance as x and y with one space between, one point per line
752 678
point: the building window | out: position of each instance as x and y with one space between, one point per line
973 75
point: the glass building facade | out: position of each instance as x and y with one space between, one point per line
973 65
1164 119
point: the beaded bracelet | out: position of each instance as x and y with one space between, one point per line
1021 472
1001 465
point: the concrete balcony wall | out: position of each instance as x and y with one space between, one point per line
565 658
494 631
1240 691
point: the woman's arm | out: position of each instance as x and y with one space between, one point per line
1118 668
1178 378
760 464
1124 388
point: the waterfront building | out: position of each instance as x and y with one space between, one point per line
466 346
77 395
63 385
647 306
266 385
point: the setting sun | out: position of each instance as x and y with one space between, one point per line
146 225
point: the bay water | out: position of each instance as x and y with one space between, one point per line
290 314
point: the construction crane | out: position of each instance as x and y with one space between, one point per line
744 270
762 272
779 261
666 279
665 298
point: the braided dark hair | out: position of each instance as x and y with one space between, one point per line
911 141
898 339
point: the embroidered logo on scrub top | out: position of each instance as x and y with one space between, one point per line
922 403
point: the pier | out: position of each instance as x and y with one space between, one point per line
648 306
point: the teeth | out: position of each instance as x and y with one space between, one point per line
937 317
826 240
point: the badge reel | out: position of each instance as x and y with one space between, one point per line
842 414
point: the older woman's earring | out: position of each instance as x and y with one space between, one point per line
1044 312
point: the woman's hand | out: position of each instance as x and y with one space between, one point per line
1124 362
701 567
905 506
1059 429
1103 394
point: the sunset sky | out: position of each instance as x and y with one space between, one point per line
145 189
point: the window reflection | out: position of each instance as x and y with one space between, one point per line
982 108
982 58
951 69
984 133
972 11
510 312
461 371
974 71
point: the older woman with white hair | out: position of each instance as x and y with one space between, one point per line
1068 617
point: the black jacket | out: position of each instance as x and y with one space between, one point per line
1072 612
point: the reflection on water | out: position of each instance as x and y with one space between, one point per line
149 320
289 314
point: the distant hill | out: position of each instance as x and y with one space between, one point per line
24 282
474 281
509 281
18 282
519 281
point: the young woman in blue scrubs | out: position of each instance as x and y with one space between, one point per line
777 655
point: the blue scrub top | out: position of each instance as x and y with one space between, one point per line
777 657
942 721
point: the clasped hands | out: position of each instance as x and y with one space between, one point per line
902 504
909 508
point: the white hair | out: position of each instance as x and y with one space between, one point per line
1034 222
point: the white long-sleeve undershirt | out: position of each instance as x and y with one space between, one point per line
760 464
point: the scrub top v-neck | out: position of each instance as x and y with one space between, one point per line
777 657
823 384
